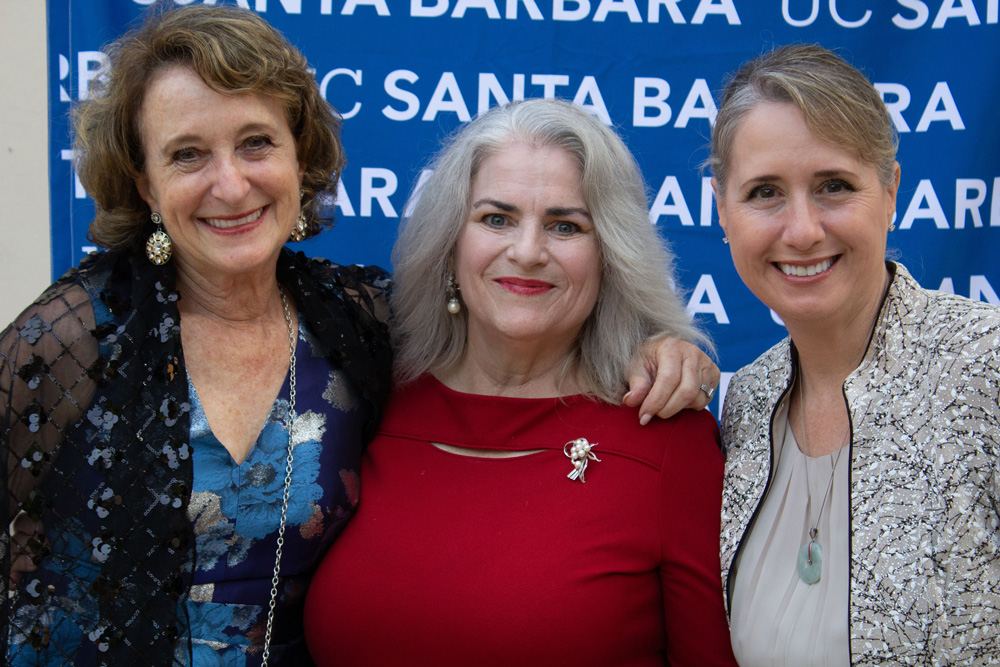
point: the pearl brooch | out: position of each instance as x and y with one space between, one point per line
579 452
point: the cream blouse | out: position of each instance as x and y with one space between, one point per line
777 619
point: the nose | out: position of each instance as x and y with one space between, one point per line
804 226
230 184
528 245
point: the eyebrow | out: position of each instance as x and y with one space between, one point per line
554 211
497 204
825 173
560 212
183 139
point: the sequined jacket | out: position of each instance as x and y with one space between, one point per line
93 431
924 486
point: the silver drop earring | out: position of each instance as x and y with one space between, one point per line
158 245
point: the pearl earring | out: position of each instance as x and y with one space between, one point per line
454 305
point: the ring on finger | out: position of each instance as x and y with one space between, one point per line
709 391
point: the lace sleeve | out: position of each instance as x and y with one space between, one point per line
346 307
369 286
48 359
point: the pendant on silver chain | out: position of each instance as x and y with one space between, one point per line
810 561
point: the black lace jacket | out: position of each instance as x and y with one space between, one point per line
94 428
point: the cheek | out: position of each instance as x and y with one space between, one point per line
474 252
746 261
586 272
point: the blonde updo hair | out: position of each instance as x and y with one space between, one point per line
839 104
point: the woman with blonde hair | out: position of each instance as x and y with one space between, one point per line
860 512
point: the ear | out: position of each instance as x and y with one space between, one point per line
893 191
142 185
719 205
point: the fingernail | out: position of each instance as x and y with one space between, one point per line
625 397
644 419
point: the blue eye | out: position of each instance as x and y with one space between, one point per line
567 227
495 220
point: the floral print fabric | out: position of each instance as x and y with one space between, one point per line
236 511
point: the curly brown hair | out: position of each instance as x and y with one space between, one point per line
235 52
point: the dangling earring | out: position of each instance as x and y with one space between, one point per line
892 226
158 245
301 229
454 306
725 239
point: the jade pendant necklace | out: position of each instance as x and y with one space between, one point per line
810 561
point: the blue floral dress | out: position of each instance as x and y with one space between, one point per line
236 511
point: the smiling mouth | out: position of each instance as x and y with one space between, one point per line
524 286
228 223
810 270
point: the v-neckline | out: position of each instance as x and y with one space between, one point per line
195 400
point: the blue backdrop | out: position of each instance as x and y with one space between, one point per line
405 73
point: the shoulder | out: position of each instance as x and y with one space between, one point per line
775 361
353 285
690 436
754 388
64 311
941 315
331 275
933 323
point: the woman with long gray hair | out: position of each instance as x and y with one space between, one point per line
514 512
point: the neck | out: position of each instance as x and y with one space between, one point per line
235 299
827 355
525 372
829 352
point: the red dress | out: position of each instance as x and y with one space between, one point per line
459 560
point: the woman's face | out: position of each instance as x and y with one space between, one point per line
221 170
527 260
806 220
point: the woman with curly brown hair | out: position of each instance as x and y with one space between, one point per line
183 414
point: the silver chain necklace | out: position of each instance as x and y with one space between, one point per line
288 478
810 561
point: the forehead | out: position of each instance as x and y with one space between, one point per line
775 136
177 99
520 166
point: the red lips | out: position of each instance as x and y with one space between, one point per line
523 286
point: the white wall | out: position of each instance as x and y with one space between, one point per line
25 262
